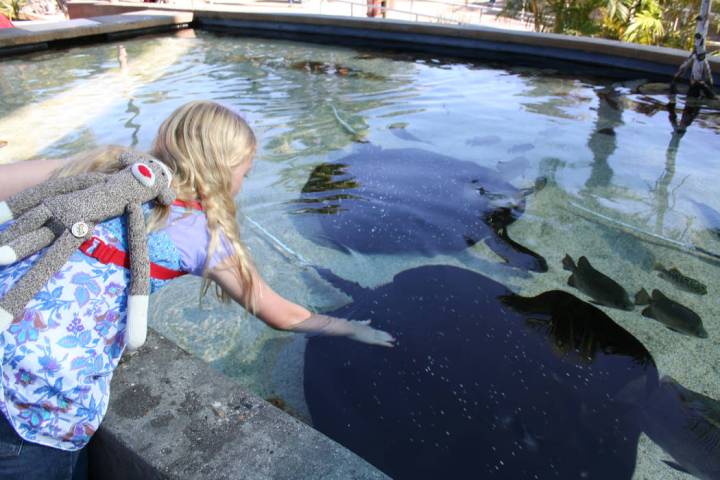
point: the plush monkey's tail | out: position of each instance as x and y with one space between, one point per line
136 329
5 213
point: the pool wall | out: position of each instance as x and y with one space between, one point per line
172 417
34 37
599 56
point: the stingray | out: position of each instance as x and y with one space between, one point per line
411 201
482 383
686 425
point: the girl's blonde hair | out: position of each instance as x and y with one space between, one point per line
203 143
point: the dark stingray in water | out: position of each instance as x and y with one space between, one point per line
411 200
482 383
686 425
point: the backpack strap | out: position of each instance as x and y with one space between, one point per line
192 204
106 254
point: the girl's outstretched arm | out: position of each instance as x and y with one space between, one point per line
271 308
18 176
282 314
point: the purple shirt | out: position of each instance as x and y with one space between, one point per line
188 231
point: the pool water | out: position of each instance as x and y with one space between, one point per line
622 189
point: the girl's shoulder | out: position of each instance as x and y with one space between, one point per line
188 230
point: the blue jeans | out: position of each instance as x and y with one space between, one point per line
22 460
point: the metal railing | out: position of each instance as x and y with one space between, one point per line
417 16
470 14
385 10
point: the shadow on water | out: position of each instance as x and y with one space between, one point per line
482 382
665 197
621 235
130 124
602 142
662 186
577 329
409 200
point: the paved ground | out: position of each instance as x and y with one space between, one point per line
443 11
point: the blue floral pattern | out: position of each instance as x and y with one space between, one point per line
58 357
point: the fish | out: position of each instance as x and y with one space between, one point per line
483 141
681 281
312 66
521 148
603 289
670 313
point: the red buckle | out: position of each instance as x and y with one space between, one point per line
88 245
103 253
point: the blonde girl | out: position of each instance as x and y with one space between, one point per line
60 354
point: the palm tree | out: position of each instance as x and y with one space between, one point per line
646 25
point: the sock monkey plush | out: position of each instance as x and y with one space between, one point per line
64 211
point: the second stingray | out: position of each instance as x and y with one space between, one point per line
412 201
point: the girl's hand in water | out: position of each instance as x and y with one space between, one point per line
282 314
358 330
363 332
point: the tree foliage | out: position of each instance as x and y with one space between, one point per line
11 8
650 22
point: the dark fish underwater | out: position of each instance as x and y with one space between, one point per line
670 313
481 384
325 68
601 288
683 282
411 201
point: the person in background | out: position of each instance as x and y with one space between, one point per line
5 22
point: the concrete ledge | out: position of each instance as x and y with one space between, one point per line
581 54
172 417
37 36
84 9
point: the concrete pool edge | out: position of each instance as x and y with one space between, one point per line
34 37
462 40
172 416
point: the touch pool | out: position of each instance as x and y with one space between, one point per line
620 188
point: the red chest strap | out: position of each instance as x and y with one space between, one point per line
194 204
106 254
